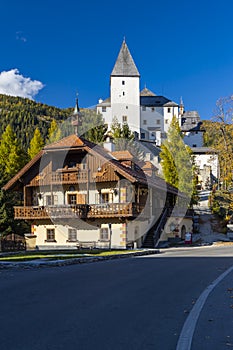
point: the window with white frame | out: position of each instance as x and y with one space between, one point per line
104 234
72 198
72 235
50 233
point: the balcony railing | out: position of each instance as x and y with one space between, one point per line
60 178
83 211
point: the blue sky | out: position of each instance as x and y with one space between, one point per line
181 48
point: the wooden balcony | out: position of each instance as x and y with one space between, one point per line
82 211
60 178
30 213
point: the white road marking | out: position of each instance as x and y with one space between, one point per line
186 335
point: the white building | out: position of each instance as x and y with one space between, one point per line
147 114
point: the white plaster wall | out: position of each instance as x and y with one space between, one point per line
209 160
128 104
169 116
106 115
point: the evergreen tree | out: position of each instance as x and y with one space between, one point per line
92 126
123 136
8 200
36 144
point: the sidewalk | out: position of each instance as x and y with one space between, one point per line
207 219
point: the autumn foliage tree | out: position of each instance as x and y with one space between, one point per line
36 144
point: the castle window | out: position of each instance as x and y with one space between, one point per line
123 82
169 110
103 109
124 118
123 93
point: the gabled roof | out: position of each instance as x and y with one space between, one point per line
147 92
122 155
67 142
73 141
23 171
125 66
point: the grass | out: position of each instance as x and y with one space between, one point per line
59 255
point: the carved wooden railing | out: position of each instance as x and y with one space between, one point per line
29 213
83 211
60 178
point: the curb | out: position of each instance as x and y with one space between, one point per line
73 261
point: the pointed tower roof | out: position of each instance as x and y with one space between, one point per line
125 65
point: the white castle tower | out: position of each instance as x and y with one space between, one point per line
124 103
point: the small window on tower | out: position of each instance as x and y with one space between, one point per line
124 118
123 93
103 109
166 121
123 82
169 110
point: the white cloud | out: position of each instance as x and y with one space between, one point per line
14 84
20 36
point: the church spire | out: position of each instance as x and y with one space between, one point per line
181 106
76 117
125 65
76 108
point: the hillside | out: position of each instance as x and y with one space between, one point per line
24 115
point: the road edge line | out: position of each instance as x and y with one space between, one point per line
186 335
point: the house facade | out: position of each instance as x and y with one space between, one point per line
77 194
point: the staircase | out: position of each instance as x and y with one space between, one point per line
155 231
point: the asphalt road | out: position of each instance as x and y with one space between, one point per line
135 303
